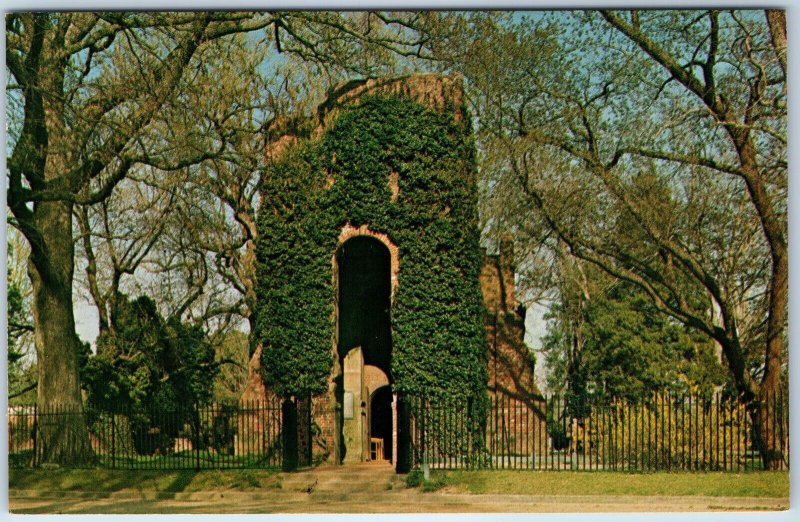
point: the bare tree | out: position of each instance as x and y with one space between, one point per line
752 118
82 115
116 236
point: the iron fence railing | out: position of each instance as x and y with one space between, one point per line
666 432
215 436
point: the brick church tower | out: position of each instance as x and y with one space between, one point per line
372 281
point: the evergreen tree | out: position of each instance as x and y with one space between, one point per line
146 365
629 351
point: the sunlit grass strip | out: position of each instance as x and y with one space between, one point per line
714 484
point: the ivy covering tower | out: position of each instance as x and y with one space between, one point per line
387 171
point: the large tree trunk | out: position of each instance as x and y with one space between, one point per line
770 443
769 432
62 438
778 297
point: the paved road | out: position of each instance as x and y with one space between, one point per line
390 501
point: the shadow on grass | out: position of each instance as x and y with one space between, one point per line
100 480
183 479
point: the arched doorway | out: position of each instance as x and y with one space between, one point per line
381 425
364 344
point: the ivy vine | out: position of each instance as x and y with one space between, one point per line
341 177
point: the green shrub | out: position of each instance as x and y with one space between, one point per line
436 483
414 478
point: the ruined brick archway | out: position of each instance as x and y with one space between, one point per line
381 423
349 232
350 172
365 277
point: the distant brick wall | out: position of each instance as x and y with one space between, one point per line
510 364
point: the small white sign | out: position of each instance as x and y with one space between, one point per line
348 405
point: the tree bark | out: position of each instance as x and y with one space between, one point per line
776 18
63 439
767 429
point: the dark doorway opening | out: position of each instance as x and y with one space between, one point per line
364 300
380 420
364 348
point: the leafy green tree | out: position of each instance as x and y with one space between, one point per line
147 365
675 121
630 351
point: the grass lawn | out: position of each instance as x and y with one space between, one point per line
750 484
107 480
182 459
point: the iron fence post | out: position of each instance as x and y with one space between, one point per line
197 437
35 432
113 441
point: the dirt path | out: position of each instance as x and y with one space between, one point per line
394 501
362 488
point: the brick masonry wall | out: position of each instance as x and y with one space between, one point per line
513 426
510 363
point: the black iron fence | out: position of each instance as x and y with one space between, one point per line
244 435
665 433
